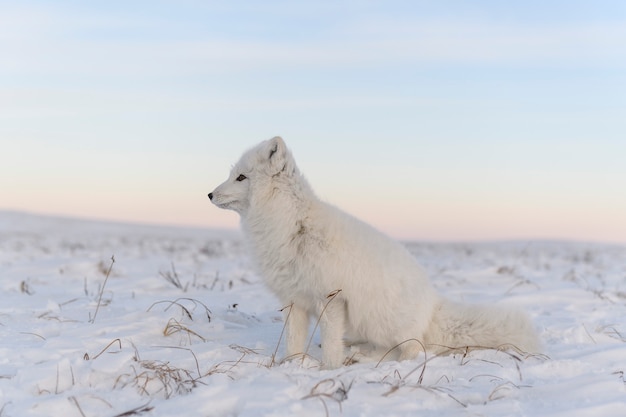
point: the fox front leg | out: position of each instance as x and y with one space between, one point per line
333 327
297 330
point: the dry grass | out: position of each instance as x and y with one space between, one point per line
106 278
173 278
329 389
174 326
282 333
157 377
160 378
152 377
186 311
34 334
74 400
612 332
118 341
146 408
501 390
25 288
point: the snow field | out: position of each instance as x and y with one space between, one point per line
184 326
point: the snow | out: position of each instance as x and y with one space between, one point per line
186 327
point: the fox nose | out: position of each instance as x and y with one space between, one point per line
210 196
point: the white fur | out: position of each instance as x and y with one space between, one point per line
307 249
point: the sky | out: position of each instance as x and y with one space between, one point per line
431 120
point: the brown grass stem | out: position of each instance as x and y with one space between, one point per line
106 278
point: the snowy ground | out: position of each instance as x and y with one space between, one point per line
184 326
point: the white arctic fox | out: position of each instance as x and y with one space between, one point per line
307 249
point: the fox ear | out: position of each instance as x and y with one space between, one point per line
277 154
276 145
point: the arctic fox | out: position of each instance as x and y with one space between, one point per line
307 249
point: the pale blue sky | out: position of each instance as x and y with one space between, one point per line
431 120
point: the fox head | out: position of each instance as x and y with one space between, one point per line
259 172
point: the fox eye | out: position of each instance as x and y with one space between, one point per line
241 177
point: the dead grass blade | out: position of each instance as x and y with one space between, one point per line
282 333
174 326
329 389
25 288
75 401
172 278
185 310
86 356
396 347
136 411
106 278
154 377
190 351
34 334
